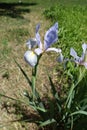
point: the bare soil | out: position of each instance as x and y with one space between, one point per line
12 81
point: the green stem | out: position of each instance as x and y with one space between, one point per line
34 75
33 83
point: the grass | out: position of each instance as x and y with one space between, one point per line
17 24
72 25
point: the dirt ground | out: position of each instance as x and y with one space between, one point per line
12 81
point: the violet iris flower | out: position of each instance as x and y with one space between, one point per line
80 60
50 37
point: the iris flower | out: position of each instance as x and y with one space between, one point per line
80 60
50 37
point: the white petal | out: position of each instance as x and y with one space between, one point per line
84 47
54 49
38 51
31 58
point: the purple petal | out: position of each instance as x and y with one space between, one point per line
38 51
37 27
84 47
38 40
54 49
31 58
38 36
31 43
51 36
74 53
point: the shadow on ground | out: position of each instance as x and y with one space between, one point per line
25 115
22 113
15 10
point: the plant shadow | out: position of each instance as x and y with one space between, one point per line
15 10
25 115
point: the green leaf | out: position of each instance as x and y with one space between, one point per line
18 100
79 112
70 96
27 78
41 105
37 108
71 122
71 99
50 121
52 86
41 109
55 94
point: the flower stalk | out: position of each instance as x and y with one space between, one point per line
34 75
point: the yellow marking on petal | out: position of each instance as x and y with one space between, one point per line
32 53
